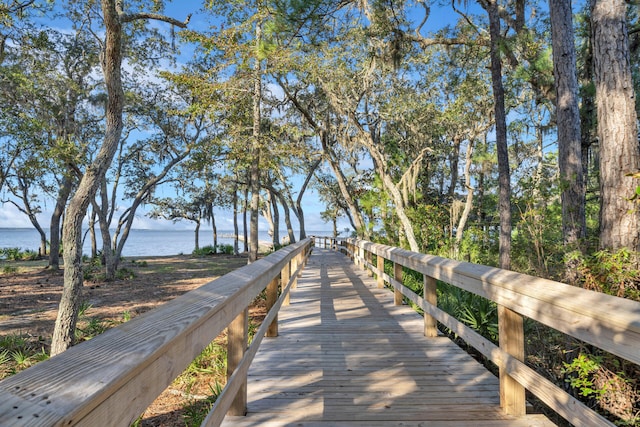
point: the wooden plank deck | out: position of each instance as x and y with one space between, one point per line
346 356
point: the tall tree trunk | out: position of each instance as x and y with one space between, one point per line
454 158
254 180
334 223
108 259
352 204
287 218
617 125
587 111
267 213
63 335
196 233
371 141
214 232
126 220
245 210
54 226
298 203
568 118
276 222
462 223
92 233
22 191
504 173
236 249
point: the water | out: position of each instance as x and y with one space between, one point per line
140 242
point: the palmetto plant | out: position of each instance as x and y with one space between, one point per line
476 312
481 315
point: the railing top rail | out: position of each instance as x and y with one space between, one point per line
608 322
98 382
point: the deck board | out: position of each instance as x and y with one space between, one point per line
347 356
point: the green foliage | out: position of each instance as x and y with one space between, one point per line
581 371
137 263
17 254
198 409
211 363
19 352
614 273
125 273
428 223
479 245
205 250
225 249
9 269
89 327
476 312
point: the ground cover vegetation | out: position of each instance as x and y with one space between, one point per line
30 294
505 136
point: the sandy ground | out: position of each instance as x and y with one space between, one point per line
30 293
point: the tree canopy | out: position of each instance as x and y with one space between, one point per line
451 129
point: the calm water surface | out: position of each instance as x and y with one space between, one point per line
139 243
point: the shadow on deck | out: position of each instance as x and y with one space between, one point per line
346 355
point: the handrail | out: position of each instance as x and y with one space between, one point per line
607 322
111 379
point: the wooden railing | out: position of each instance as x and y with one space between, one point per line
609 323
111 379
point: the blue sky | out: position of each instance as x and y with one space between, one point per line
11 217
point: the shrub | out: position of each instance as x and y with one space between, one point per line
225 249
205 250
125 273
17 254
614 273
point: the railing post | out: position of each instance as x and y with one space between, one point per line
272 297
356 254
285 274
361 260
430 296
397 274
380 265
237 339
511 335
295 262
369 257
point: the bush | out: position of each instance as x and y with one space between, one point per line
205 250
614 273
125 273
225 249
17 254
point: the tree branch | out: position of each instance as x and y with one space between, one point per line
129 17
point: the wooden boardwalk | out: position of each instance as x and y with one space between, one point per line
346 356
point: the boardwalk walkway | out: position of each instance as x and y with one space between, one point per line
346 356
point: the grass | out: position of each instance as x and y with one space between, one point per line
18 352
200 383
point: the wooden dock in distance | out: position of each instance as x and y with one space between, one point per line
347 356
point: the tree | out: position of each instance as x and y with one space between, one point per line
617 125
256 143
325 127
114 18
192 208
491 6
568 119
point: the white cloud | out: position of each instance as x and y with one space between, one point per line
11 217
